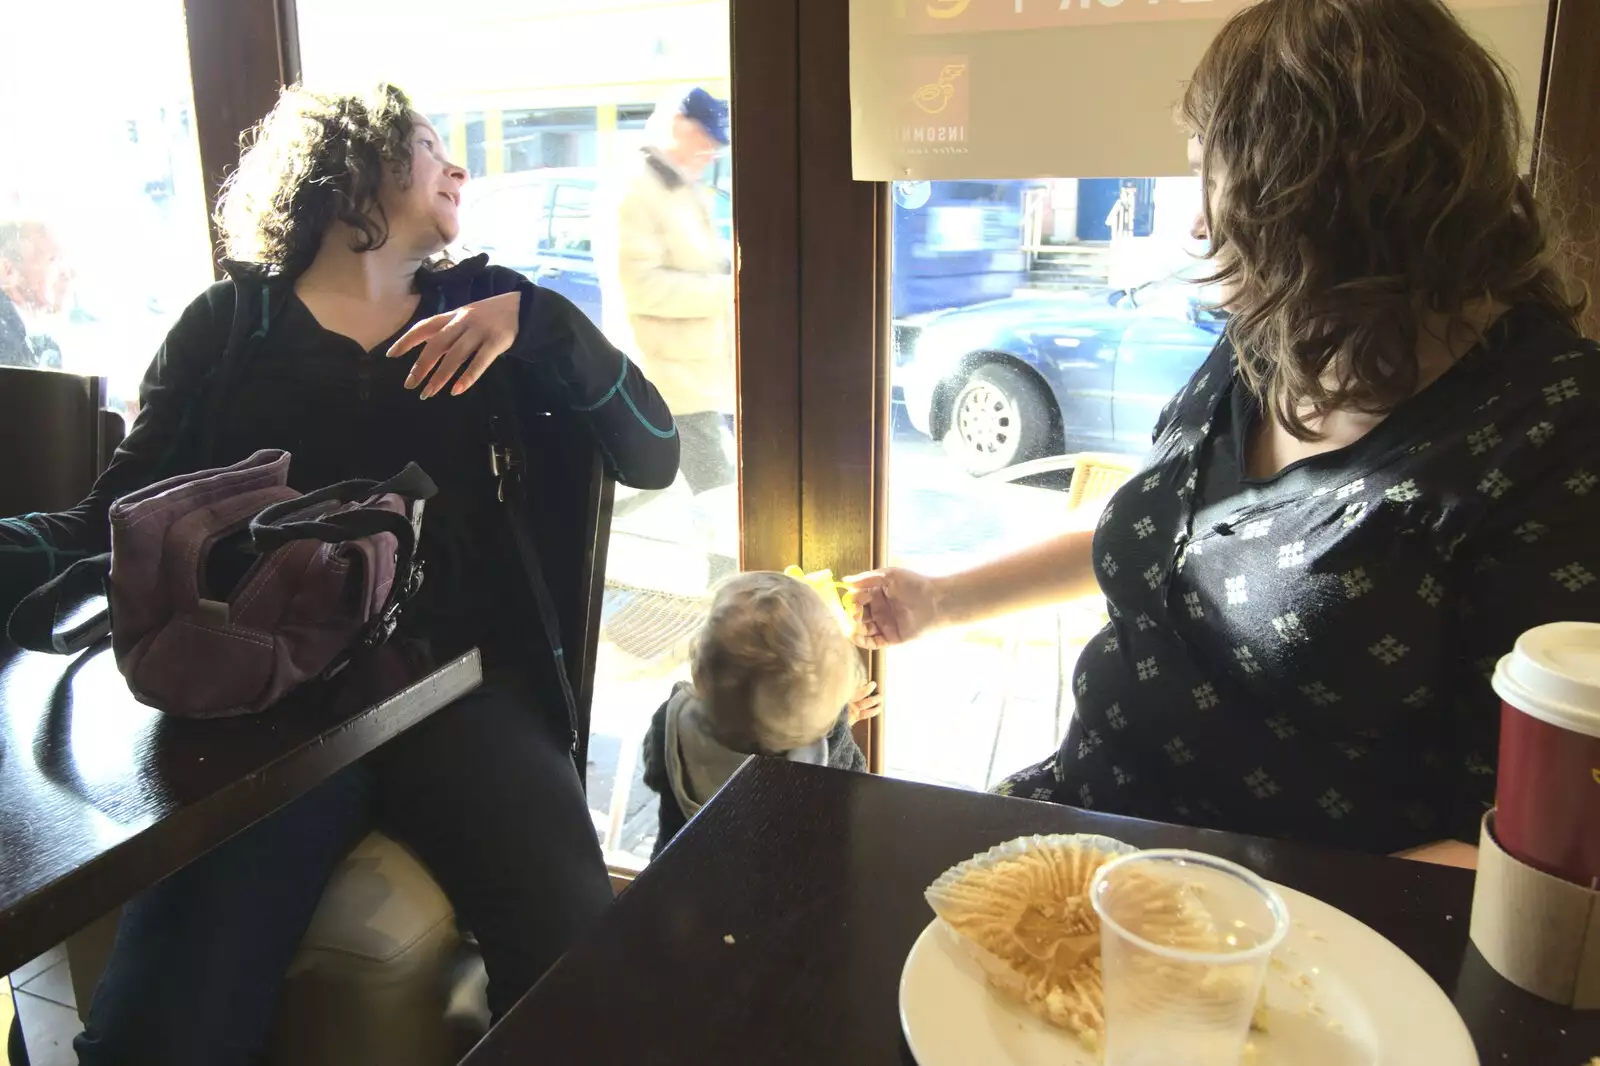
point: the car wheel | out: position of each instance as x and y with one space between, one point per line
999 417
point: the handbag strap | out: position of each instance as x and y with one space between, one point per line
282 524
508 461
308 517
276 522
64 615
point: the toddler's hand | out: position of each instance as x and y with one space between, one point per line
866 703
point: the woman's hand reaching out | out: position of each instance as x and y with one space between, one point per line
463 342
891 606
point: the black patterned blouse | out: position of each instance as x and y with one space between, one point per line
1308 655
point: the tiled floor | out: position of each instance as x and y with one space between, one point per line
42 991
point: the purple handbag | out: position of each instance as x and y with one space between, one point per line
227 588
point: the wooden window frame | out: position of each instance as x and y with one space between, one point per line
241 52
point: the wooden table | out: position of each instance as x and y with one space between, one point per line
101 797
818 876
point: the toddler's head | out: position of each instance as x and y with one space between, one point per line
771 666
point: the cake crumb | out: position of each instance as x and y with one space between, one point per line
728 938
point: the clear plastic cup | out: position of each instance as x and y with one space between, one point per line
1185 939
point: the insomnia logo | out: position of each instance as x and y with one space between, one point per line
933 119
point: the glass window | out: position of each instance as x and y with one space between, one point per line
1033 320
633 116
547 112
103 232
509 220
571 221
551 137
477 161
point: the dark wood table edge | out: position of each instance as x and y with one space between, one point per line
39 922
1228 844
1454 884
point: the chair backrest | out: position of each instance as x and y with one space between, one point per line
1096 475
567 481
55 438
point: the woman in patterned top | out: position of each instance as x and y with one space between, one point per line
1387 470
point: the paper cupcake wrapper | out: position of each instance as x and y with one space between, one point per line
946 897
939 892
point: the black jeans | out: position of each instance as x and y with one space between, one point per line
484 792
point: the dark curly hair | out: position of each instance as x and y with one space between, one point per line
1367 152
315 159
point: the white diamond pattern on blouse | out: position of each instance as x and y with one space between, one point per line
1289 627
1562 391
1404 492
1388 650
1261 784
1573 577
1484 439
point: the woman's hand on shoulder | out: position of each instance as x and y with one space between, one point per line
460 344
891 606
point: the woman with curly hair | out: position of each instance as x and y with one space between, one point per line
342 338
1386 471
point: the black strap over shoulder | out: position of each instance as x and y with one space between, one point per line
257 300
509 462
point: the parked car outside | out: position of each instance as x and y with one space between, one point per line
1034 375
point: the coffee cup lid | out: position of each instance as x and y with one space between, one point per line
1553 674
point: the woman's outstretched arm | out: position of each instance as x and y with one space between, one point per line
893 606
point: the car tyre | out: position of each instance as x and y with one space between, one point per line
999 416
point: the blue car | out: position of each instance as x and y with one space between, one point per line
541 224
1017 379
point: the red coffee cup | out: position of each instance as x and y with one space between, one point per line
1548 795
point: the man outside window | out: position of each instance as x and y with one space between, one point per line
675 284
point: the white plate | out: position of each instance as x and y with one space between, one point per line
1338 994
